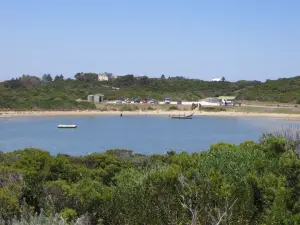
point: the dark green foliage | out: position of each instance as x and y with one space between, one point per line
13 83
47 78
86 77
281 90
250 183
59 78
48 96
30 92
212 109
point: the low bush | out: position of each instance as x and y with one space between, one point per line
213 109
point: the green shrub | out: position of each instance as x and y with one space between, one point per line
249 183
69 215
9 204
213 109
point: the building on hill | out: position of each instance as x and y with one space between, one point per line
105 76
219 79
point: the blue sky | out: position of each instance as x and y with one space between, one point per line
238 39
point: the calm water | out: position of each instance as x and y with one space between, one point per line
142 134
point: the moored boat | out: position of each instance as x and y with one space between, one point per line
66 126
183 116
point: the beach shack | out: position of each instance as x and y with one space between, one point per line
96 98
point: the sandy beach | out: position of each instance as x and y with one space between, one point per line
279 116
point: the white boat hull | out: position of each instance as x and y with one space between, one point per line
66 126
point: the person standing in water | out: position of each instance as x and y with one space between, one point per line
121 115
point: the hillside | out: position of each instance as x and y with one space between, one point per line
49 97
282 90
29 92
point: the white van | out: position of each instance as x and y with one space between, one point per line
168 101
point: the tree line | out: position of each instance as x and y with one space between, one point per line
27 81
31 92
250 183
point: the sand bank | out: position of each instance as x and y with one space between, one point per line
154 112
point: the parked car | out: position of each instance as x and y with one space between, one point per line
153 101
118 101
179 102
145 100
167 101
128 100
136 100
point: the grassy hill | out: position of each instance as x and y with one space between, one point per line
30 92
282 90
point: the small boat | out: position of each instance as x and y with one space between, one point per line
66 126
183 116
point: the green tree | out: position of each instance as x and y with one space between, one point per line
47 78
30 81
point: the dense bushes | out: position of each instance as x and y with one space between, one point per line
29 92
212 109
281 90
63 93
36 99
250 183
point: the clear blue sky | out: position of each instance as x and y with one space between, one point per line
238 39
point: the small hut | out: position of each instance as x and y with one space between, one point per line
98 98
90 98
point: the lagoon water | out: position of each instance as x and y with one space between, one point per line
142 134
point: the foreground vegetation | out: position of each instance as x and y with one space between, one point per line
250 183
47 93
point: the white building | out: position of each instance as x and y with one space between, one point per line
104 77
219 79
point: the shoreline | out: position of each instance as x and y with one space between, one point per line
279 116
